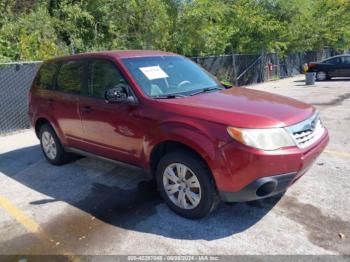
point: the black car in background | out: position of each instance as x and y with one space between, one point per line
336 66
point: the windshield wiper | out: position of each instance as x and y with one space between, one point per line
205 90
168 96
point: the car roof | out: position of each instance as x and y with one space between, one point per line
114 54
337 56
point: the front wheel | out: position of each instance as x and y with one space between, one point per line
186 184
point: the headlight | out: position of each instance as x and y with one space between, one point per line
265 139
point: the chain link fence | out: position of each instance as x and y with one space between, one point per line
245 69
236 69
15 81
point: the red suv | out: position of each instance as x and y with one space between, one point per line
201 140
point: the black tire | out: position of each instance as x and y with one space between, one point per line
209 199
322 76
61 157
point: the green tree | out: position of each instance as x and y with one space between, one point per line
332 18
202 28
39 29
30 37
74 24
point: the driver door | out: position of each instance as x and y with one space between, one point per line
110 129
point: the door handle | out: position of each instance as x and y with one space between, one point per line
87 109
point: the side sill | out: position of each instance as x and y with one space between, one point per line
92 155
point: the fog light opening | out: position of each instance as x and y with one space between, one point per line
266 189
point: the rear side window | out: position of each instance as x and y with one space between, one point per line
69 78
333 61
103 75
46 76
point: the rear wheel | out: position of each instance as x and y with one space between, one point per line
52 147
186 184
321 76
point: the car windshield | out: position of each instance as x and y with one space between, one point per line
170 76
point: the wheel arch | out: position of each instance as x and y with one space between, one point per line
164 147
39 123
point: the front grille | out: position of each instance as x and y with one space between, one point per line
307 132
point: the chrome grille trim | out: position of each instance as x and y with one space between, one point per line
307 132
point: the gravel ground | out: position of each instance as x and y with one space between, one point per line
90 207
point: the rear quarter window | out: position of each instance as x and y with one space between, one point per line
45 78
333 61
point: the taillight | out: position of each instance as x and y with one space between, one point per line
311 65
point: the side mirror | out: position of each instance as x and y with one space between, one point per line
119 94
226 86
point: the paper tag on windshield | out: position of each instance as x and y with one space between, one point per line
153 72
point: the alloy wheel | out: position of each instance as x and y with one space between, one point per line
49 145
321 76
182 186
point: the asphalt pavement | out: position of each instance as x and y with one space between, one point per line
90 207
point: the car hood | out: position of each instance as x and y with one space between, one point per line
242 107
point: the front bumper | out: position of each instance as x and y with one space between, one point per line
247 174
260 188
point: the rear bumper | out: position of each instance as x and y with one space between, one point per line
247 174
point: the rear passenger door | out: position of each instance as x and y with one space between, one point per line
333 67
42 90
69 82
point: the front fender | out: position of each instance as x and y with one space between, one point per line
204 138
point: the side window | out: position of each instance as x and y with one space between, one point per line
346 60
103 75
69 78
334 61
46 75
